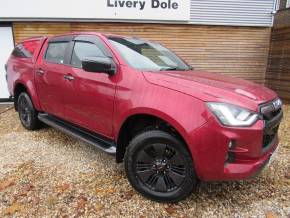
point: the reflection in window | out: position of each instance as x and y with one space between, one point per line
145 55
56 52
84 50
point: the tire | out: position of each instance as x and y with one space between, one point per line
159 166
27 112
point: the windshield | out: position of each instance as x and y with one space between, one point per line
148 56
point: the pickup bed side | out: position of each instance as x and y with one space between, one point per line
21 68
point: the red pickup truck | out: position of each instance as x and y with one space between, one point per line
136 99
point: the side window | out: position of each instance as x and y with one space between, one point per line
56 52
83 50
25 49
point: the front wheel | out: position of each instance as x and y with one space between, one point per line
27 112
159 166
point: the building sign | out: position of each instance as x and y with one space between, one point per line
171 10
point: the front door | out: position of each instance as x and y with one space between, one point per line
89 97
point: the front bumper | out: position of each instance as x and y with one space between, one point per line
249 154
237 171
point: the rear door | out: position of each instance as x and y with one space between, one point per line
50 72
89 97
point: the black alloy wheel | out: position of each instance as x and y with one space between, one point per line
27 113
24 111
159 166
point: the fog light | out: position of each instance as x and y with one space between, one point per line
231 155
231 144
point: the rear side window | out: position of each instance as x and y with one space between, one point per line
56 52
84 50
25 49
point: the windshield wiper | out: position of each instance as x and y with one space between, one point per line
168 68
175 68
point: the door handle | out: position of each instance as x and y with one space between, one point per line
40 72
68 77
15 68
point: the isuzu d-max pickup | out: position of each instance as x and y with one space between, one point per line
133 98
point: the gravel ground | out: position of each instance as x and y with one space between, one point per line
48 174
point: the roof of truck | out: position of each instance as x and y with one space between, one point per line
35 38
88 33
71 34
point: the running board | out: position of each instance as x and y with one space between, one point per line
79 133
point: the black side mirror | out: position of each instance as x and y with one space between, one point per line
99 65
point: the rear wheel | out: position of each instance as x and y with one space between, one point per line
27 112
159 166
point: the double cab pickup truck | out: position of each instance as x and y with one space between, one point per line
171 125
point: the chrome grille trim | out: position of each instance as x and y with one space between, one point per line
271 112
271 109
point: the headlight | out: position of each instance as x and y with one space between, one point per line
231 115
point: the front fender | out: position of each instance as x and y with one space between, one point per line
183 112
151 112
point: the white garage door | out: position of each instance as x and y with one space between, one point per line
6 46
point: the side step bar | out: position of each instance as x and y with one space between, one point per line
79 133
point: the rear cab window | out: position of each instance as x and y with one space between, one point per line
56 52
57 49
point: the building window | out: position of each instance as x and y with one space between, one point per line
288 4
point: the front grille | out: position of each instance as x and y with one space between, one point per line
268 137
272 115
275 113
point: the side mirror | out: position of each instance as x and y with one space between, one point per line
99 65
